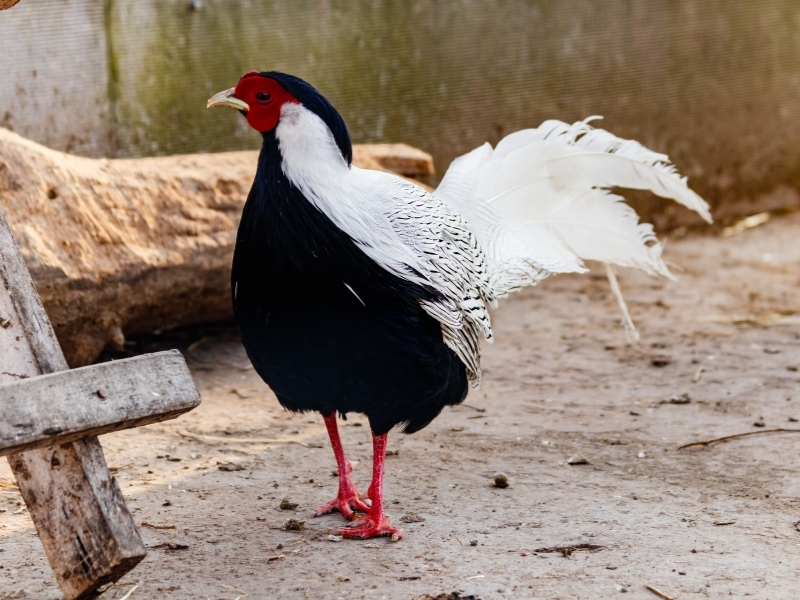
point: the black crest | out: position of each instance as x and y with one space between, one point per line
316 103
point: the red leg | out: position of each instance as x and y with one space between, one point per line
375 523
348 499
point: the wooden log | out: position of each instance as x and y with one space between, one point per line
80 515
127 246
397 158
70 405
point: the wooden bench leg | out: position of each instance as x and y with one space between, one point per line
79 512
76 505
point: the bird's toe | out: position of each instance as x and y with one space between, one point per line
347 505
369 527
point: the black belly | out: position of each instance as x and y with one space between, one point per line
340 356
321 346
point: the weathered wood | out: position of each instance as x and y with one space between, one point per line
67 406
29 315
78 510
398 158
80 515
121 247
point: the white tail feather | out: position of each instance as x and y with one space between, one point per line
539 203
631 332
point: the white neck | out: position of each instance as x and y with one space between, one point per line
350 197
311 158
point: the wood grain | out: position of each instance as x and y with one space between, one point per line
78 510
64 407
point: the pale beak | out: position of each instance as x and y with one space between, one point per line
226 98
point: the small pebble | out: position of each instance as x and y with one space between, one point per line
294 525
678 399
501 480
412 518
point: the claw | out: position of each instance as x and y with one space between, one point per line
345 503
371 526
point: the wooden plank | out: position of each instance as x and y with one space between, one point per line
67 406
17 360
28 316
80 515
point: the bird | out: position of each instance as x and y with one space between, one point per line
358 291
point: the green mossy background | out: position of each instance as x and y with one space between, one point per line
714 84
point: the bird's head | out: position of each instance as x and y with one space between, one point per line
258 97
263 97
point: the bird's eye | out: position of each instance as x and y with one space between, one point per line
263 97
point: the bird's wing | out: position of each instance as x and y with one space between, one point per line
446 256
539 202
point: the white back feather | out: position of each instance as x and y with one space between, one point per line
501 219
540 202
403 228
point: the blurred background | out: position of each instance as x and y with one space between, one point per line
714 84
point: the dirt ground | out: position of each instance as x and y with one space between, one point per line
560 383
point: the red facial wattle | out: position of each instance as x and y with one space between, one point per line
265 97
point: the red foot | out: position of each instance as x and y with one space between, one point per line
371 526
346 502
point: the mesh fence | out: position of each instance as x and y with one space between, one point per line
714 84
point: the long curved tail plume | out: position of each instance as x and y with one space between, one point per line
540 203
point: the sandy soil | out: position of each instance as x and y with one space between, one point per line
560 383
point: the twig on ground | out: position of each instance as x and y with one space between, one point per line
193 346
659 593
232 440
130 591
300 541
568 550
746 223
727 438
233 589
169 546
458 540
697 374
474 407
151 526
768 319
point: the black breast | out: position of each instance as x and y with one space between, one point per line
326 327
